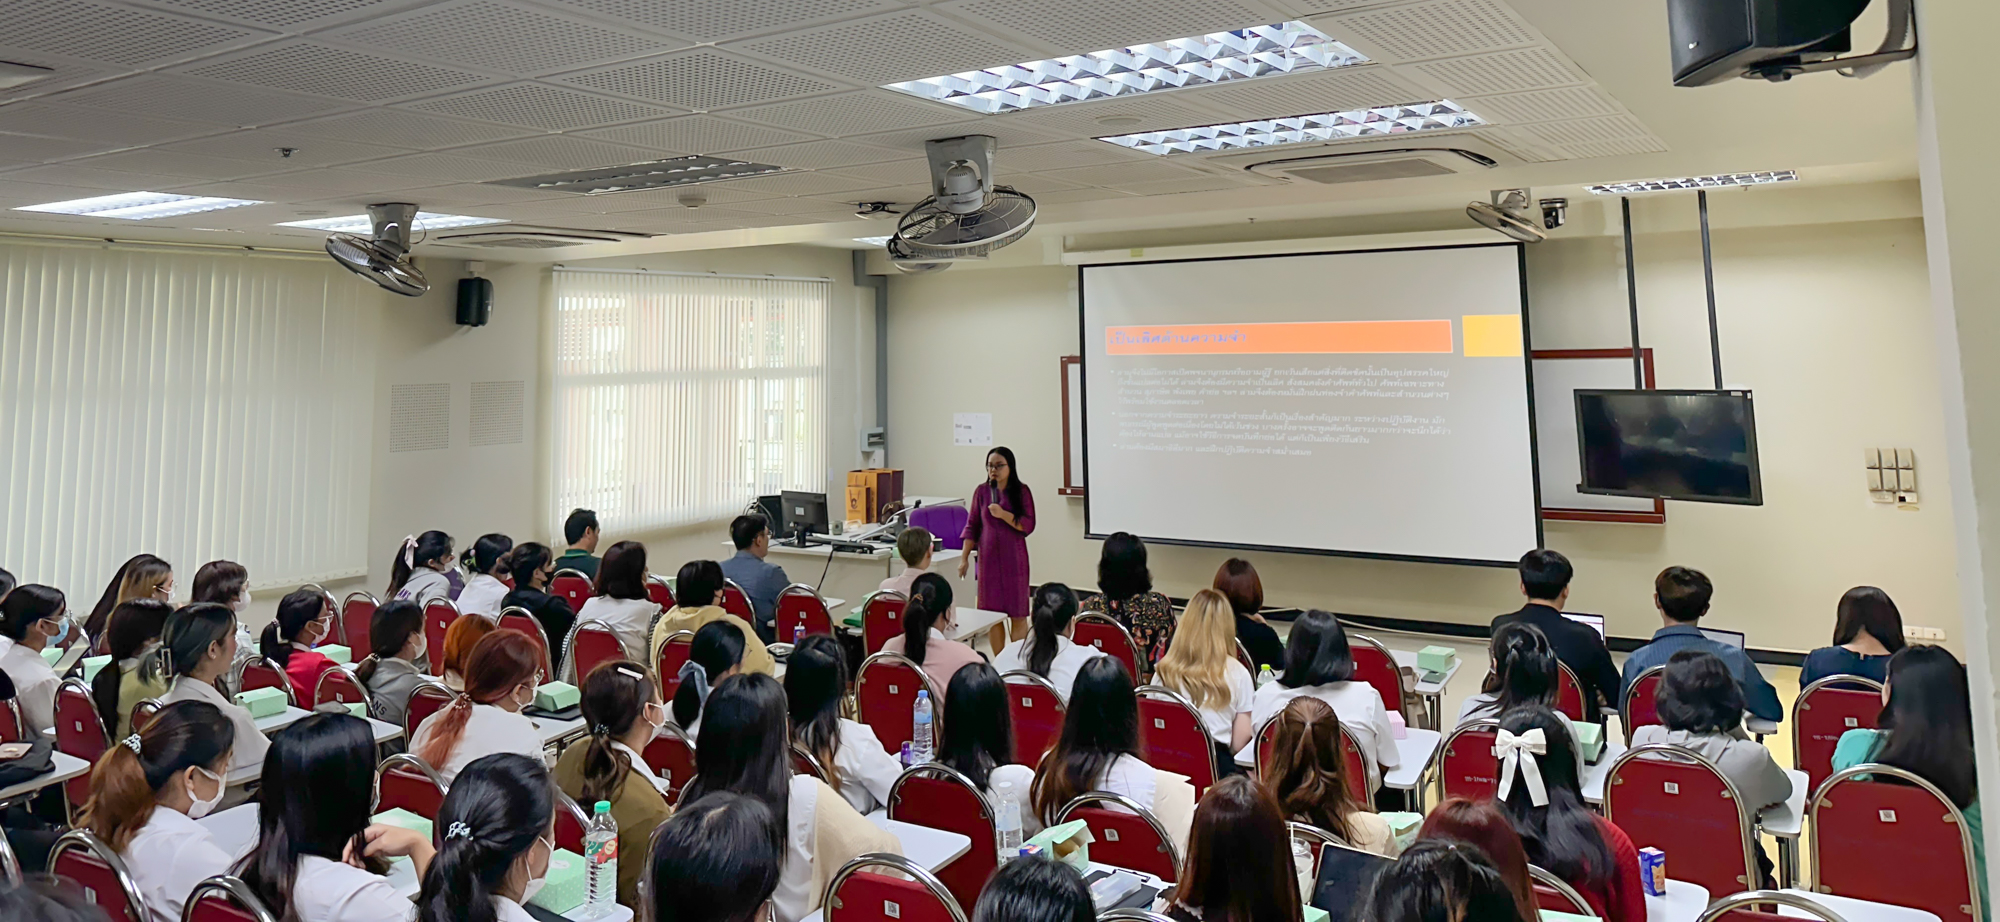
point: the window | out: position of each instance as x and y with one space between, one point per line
680 398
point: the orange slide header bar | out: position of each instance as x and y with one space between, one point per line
1323 337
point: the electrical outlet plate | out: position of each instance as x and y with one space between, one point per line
1921 632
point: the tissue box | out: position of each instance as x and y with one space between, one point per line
1068 843
565 889
335 652
1404 827
1589 738
263 702
554 696
1402 730
403 819
93 663
1435 658
1316 914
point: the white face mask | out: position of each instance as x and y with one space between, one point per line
241 603
535 883
422 645
647 715
200 807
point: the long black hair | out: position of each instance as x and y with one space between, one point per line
319 790
1440 879
715 860
295 611
498 807
1316 653
978 732
1014 484
1121 567
184 642
717 646
1561 836
421 551
1102 724
1928 721
744 747
930 598
1035 890
1524 668
133 625
487 554
1054 606
815 688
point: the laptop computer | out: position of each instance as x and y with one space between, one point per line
1346 878
1732 638
1596 621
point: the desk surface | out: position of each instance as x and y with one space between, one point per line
1786 819
1683 903
555 731
65 767
384 732
1854 910
1408 659
930 848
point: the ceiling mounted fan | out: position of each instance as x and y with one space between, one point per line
384 256
967 216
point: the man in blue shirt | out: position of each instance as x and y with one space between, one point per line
1682 596
761 581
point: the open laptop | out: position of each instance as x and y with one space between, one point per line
1732 638
1346 877
1595 621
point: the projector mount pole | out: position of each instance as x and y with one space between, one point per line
1708 276
1632 297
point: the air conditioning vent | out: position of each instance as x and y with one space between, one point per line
1409 168
1351 162
531 239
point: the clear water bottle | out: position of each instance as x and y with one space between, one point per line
1264 675
1009 820
600 860
920 743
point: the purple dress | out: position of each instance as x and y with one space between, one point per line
1003 551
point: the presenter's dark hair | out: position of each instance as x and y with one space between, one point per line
1440 879
1035 890
1929 721
698 583
1544 574
1102 723
487 553
622 575
1698 694
506 802
930 598
1866 608
319 790
1237 580
1014 484
744 529
1054 606
716 860
579 521
1316 653
1683 593
1121 567
978 732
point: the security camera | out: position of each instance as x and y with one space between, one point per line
692 198
1554 212
874 210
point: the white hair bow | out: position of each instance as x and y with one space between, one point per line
410 551
1514 754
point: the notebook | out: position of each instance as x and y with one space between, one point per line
1346 877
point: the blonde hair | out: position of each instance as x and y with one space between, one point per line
1197 663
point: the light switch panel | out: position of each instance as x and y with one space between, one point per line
1906 459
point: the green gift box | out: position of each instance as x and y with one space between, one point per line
564 889
51 654
335 652
554 696
1589 738
91 664
1316 914
1067 842
1435 658
263 702
358 709
1403 827
404 819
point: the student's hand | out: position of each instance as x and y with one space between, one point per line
385 841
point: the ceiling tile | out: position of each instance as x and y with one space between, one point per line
177 163
65 74
1071 196
563 152
1542 105
854 113
164 96
804 183
700 79
502 38
1006 134
1179 186
262 145
540 106
341 182
1618 148
1305 94
888 48
915 172
695 134
307 67
399 128
1563 134
818 154
15 192
1154 111
1069 27
719 20
1011 160
37 149
102 32
442 167
1435 28
101 180
802 206
275 13
1038 184
86 125
1118 175
1500 72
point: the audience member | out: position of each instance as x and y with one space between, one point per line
1442 881
1239 866
1308 777
745 749
717 860
759 579
922 641
850 753
198 647
1237 580
1099 751
1035 890
1483 824
1560 834
224 582
1201 665
1867 630
418 572
498 837
580 535
47 901
1682 597
1701 709
532 566
131 637
1125 592
144 576
303 621
1048 651
31 620
978 741
1523 671
914 546
459 639
487 561
1545 577
715 654
622 709
621 600
146 793
698 592
501 676
1319 664
390 672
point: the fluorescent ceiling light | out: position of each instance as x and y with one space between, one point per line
14 73
653 174
881 241
1299 129
1695 182
359 223
1219 57
138 206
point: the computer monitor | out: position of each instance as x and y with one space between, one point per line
803 514
1596 621
1732 638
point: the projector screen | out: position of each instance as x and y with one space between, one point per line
1369 404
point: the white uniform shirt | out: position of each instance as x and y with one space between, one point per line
1070 657
34 684
1132 778
1221 721
630 619
481 596
248 745
489 730
1359 707
167 858
867 771
328 891
507 910
792 898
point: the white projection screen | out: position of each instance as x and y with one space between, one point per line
1367 404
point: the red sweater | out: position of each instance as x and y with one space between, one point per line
1624 899
304 668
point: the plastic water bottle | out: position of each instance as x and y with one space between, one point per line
1009 821
600 860
920 744
1264 676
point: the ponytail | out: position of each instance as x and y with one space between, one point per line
388 630
132 625
125 783
295 611
416 551
930 597
615 694
495 812
717 648
189 634
487 554
1055 605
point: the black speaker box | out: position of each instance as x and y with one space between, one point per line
475 302
1720 40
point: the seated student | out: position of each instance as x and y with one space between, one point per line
923 642
1125 592
850 753
319 789
761 580
144 576
32 618
390 672
1561 835
146 793
1047 651
131 635
978 741
1523 672
499 834
418 572
745 751
698 590
1926 729
1682 596
622 708
1309 778
621 600
1483 825
1035 890
1239 862
1237 580
303 621
1318 663
224 582
198 647
716 654
533 566
1201 664
1099 751
717 860
580 534
1867 630
486 560
914 546
1443 880
459 639
1545 577
501 676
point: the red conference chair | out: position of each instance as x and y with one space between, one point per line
426 699
800 606
1126 833
1107 635
674 653
144 712
518 619
10 867
1356 767
1884 834
571 822
1826 709
1243 656
1374 664
661 593
258 672
406 782
571 587
737 602
338 686
1036 710
1640 707
438 617
907 893
1466 766
12 728
591 643
671 755
805 763
356 614
882 618
1753 906
85 864
1554 895
1669 798
939 797
885 697
1173 737
1569 692
79 732
224 899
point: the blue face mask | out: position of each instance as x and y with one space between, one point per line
58 638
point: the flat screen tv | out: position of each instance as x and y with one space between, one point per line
1695 446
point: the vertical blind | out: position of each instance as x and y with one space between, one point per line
679 398
187 405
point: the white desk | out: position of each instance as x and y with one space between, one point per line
1854 910
1431 692
384 732
1683 903
1784 822
929 848
65 767
554 732
1595 773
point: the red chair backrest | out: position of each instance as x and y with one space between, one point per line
1243 656
1357 767
881 619
1552 900
79 732
1466 766
514 620
404 783
1172 737
571 822
803 763
674 653
939 798
356 614
224 899
661 594
593 643
260 673
1037 713
1825 711
872 896
338 685
672 756
425 700
1127 840
1109 636
801 607
735 602
572 588
1375 665
85 864
1642 709
143 713
10 722
885 695
1892 841
1569 693
438 617
1683 807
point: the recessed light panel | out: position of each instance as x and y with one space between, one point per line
653 174
874 241
1695 182
1300 129
139 206
359 223
1199 60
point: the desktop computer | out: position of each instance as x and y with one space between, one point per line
801 514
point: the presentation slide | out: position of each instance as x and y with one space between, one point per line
1368 403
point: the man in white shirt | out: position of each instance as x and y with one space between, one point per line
31 620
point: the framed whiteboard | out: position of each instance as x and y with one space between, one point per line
1072 422
1559 374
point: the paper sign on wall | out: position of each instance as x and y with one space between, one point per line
972 428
